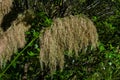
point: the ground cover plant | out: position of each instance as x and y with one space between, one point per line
23 63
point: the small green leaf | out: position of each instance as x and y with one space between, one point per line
102 48
31 53
36 46
94 18
14 64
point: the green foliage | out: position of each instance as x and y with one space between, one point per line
101 64
29 54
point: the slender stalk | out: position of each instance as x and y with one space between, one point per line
1 74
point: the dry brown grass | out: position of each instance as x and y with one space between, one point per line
1 30
5 6
73 34
12 39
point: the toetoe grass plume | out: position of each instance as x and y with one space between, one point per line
73 34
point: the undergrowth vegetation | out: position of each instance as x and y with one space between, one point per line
103 63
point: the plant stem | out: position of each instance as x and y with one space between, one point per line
1 74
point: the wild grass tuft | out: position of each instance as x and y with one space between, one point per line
5 6
73 34
12 39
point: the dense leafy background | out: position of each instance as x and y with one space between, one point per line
101 64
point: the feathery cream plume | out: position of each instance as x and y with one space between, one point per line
73 34
12 39
5 7
1 30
